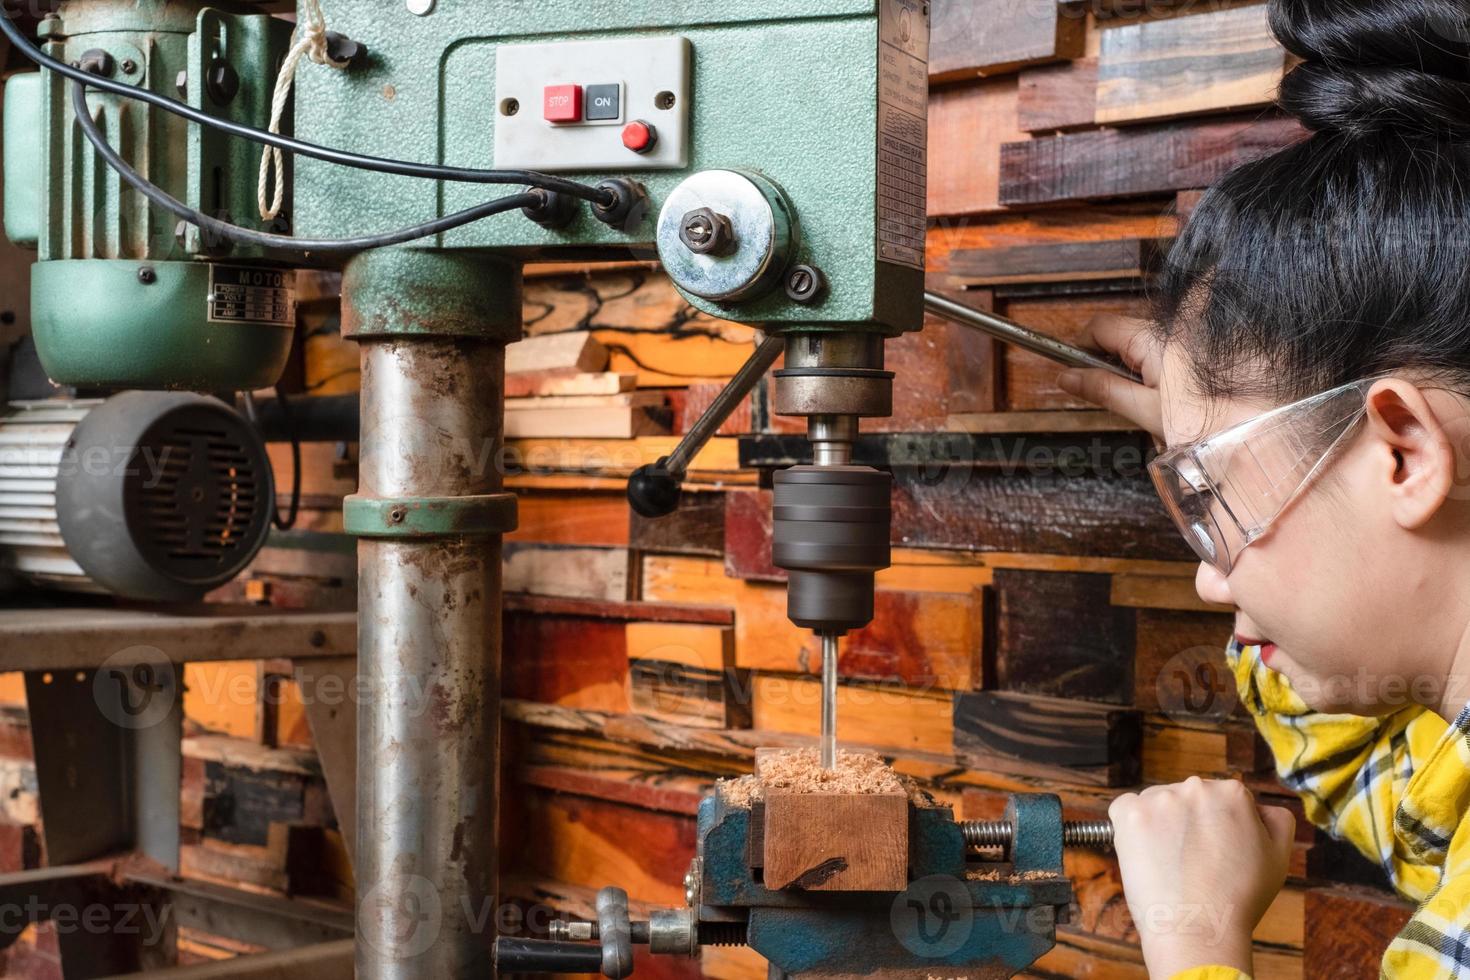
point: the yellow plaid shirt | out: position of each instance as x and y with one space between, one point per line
1398 789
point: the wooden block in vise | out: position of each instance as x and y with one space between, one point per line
836 841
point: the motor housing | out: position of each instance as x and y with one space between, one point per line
147 495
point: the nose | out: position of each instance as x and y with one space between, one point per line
1212 585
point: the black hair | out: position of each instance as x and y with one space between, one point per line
1347 254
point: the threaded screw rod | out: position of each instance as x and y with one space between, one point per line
1095 834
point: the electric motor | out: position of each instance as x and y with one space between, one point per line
152 496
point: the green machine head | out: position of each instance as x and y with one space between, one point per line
123 294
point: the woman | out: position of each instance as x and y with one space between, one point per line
1309 370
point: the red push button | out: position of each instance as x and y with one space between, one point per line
563 103
640 137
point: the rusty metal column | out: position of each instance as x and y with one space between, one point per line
430 515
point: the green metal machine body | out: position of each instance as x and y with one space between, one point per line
807 95
123 295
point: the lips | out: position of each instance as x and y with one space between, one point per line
1268 649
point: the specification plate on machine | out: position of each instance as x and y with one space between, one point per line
903 155
240 294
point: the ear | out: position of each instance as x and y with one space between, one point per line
1417 459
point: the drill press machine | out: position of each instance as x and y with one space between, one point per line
783 154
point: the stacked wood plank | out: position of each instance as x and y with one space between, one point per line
1038 630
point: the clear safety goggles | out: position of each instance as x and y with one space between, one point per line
1225 491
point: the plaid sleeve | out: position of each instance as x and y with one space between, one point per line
1350 771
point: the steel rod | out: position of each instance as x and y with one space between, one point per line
725 402
1096 834
829 701
1023 337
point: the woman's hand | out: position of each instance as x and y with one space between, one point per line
1132 342
1201 863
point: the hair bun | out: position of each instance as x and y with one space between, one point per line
1371 66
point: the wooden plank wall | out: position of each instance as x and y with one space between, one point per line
1039 629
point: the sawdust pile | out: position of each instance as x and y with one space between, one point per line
997 874
800 771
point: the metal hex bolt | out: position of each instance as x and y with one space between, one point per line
805 284
222 82
707 232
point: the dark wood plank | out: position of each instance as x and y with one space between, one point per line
1348 929
748 537
843 842
1137 161
573 661
1208 62
1056 633
1067 262
1031 380
1039 512
1180 668
970 38
1058 97
1101 743
657 612
696 528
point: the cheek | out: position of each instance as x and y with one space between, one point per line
1304 585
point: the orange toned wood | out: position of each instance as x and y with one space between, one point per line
877 716
836 842
222 697
591 842
671 360
1049 226
617 457
1146 591
585 518
693 645
968 124
922 637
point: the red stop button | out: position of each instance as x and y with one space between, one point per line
562 103
640 137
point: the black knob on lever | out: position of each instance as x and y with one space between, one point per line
514 955
653 490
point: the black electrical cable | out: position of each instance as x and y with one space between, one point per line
249 236
289 521
252 415
343 158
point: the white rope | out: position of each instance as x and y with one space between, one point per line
309 39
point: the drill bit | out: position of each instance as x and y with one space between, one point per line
829 700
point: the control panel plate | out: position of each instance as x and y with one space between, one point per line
592 105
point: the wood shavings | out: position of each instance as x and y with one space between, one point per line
800 771
998 874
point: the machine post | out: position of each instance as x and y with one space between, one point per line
432 328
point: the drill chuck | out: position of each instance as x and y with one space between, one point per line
831 533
